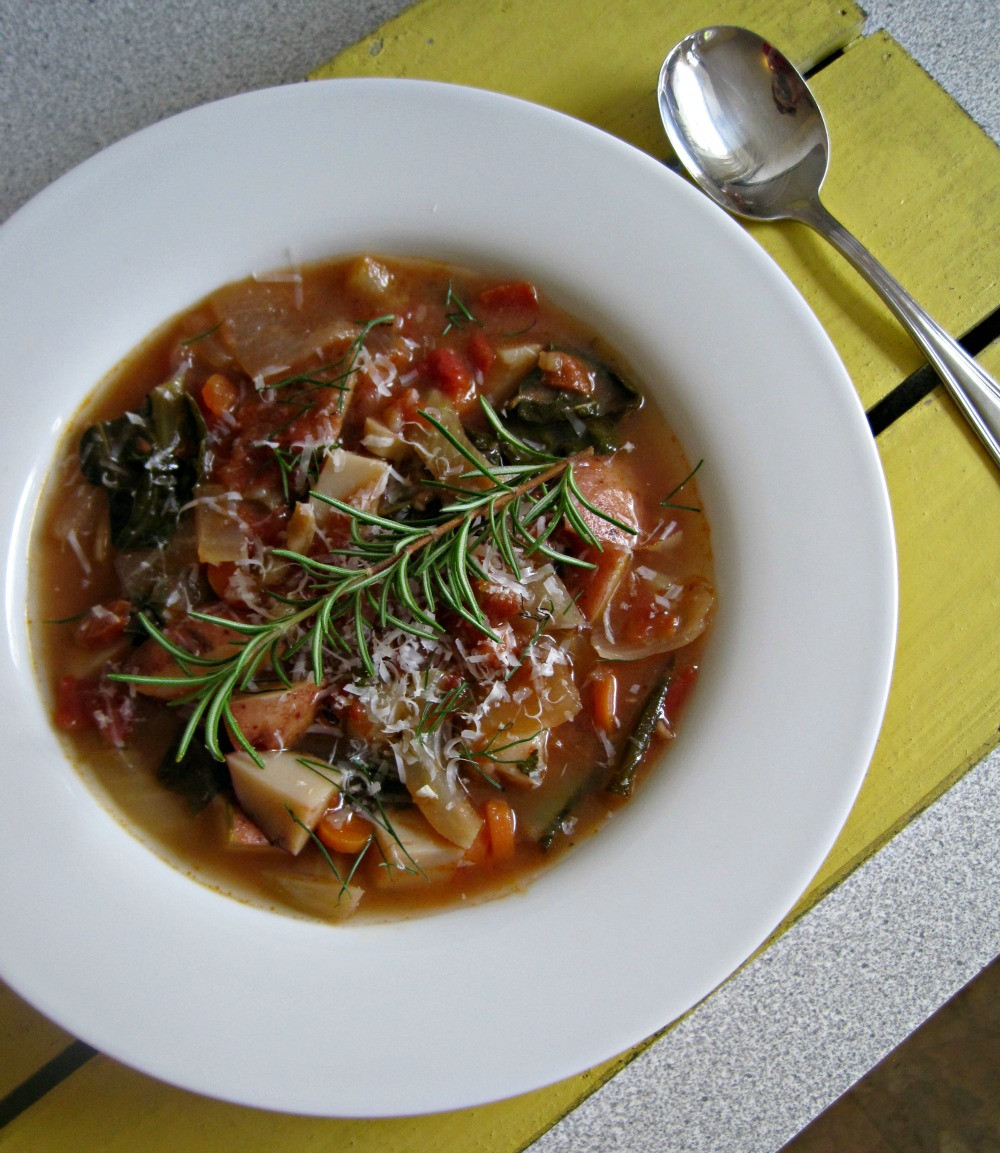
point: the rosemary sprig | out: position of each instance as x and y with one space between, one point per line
201 335
455 312
667 501
418 565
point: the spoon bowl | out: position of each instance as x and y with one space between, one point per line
743 122
745 125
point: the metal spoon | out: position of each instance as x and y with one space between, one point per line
747 128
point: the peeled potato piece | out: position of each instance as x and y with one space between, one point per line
286 797
411 851
440 797
320 893
352 479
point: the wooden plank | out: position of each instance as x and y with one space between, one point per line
27 1040
598 61
109 1107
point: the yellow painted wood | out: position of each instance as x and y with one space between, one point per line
27 1040
107 1107
944 703
918 182
597 60
943 709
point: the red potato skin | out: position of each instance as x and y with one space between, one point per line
200 638
276 719
602 482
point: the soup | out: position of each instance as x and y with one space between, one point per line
369 587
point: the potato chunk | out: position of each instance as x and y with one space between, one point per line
439 796
320 893
285 798
351 478
412 851
278 718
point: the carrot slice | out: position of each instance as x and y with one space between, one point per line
500 822
479 851
604 700
344 832
219 394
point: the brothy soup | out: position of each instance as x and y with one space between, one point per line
369 586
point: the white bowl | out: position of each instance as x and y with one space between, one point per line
636 925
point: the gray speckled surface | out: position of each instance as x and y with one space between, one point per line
957 42
768 1051
76 75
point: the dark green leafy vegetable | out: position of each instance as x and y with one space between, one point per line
197 776
148 462
153 578
561 421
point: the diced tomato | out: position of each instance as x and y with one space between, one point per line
219 576
75 704
520 295
87 703
481 352
450 372
560 370
498 603
103 625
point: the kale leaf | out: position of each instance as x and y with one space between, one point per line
196 777
148 462
562 422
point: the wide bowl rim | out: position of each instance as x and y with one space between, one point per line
770 825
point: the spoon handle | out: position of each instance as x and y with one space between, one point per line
972 388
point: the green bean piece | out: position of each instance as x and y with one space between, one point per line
622 780
554 828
